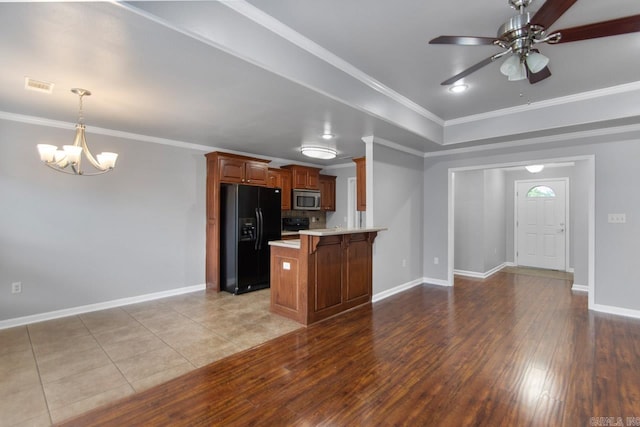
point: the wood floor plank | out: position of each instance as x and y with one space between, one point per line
507 350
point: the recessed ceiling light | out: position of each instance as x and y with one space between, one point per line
327 135
458 88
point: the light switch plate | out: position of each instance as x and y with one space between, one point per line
617 218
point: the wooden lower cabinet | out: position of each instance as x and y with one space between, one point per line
326 276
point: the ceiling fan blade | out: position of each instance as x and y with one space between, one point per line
614 27
463 40
468 71
539 76
550 11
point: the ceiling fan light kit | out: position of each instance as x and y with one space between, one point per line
518 36
536 61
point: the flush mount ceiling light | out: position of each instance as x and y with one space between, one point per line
68 160
327 135
324 153
534 168
459 88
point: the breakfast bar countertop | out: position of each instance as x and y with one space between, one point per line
339 230
290 243
321 232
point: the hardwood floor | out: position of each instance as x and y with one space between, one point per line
510 350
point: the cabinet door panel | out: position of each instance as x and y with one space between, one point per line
361 184
256 173
299 178
231 170
274 179
328 192
313 180
328 276
286 190
359 274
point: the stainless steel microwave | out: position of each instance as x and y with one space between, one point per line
306 200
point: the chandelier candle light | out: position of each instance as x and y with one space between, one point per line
68 160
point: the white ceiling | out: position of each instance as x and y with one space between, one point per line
266 76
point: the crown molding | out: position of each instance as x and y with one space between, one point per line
270 23
340 166
598 93
39 121
393 145
537 140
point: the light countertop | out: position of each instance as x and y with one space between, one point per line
338 230
295 243
290 243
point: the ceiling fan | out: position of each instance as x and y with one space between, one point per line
519 35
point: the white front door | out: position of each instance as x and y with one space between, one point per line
541 223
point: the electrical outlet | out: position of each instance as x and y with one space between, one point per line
16 287
617 218
436 260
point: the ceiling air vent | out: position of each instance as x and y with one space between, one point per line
38 85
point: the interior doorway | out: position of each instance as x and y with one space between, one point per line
584 247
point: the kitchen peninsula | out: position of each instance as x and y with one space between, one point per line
324 273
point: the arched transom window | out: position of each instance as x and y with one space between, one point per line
541 191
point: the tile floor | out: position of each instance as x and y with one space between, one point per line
53 370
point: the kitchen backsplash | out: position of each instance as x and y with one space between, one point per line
317 219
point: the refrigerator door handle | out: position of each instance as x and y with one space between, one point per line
255 245
261 228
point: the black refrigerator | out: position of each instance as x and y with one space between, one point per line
249 219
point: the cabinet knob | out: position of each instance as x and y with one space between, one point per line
248 180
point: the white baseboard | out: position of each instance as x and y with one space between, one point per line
437 282
41 317
627 312
400 288
579 288
480 275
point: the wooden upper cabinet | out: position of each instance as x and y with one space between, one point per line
242 170
327 193
255 173
361 183
304 177
280 178
274 178
285 176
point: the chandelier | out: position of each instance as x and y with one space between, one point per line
69 159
